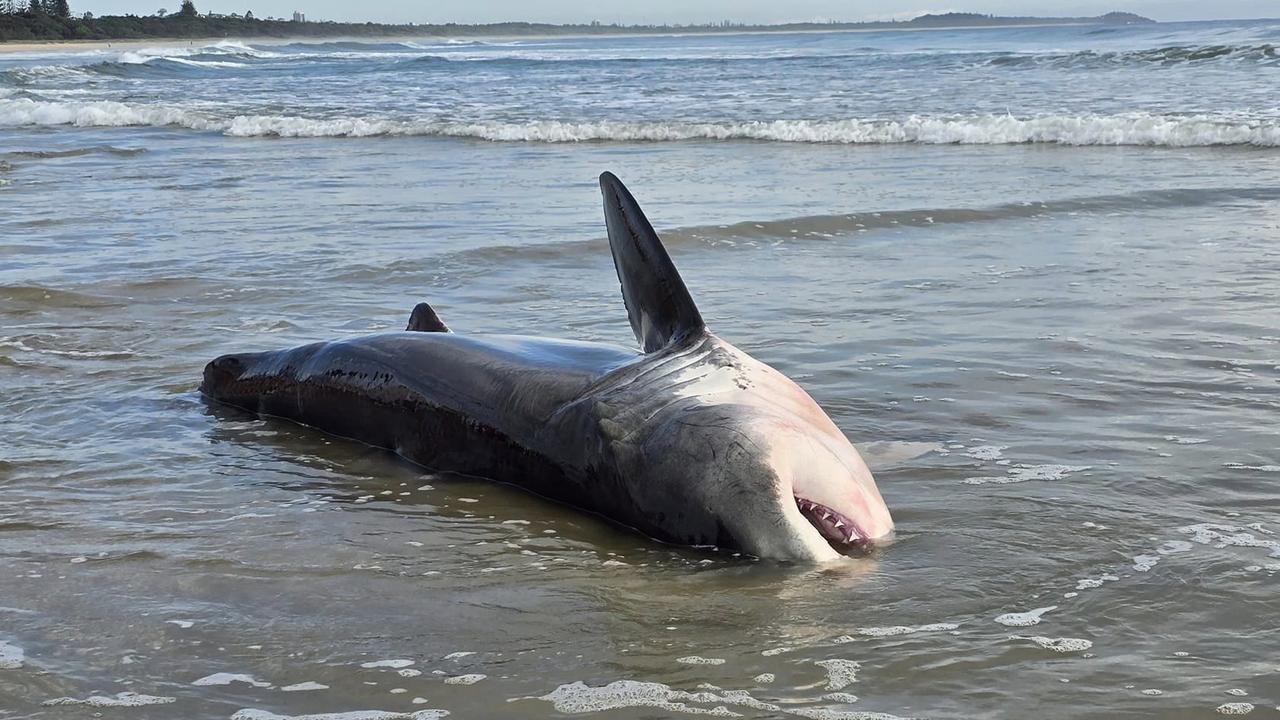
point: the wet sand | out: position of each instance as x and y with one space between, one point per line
1061 361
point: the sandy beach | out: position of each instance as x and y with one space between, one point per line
46 46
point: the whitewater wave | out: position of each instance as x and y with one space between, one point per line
1263 54
206 63
1124 129
168 61
143 55
142 62
105 113
229 47
39 73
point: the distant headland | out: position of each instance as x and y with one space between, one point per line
53 20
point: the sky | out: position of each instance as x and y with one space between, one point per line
684 11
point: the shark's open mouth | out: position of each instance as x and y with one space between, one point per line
839 530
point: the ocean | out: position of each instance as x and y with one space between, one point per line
1032 272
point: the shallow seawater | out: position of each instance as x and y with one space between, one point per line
1062 362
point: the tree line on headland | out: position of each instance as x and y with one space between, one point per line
53 20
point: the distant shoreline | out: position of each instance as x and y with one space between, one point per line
21 46
38 28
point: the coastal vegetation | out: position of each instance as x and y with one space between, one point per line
53 20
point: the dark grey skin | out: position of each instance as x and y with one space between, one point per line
690 442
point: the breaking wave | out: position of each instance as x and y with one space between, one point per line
1261 54
226 47
176 61
1124 129
828 226
347 57
74 152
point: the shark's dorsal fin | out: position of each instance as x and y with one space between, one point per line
658 303
424 319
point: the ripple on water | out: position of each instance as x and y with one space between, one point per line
392 664
1028 473
1185 440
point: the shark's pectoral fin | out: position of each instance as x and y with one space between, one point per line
658 303
424 319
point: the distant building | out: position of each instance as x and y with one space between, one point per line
299 17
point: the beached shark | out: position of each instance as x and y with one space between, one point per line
689 441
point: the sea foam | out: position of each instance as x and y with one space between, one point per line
1024 619
1122 129
124 699
255 714
11 656
1059 645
